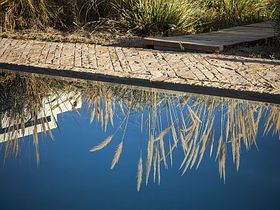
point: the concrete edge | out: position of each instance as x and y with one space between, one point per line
231 93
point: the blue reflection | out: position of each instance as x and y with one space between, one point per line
60 172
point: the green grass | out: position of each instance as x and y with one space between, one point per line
226 13
277 20
150 16
147 16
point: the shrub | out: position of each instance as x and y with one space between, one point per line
226 13
142 16
15 13
147 16
277 20
61 14
150 16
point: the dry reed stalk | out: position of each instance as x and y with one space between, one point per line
103 144
117 155
139 174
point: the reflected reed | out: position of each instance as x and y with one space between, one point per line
196 124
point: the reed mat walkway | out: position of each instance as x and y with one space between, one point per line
216 41
214 74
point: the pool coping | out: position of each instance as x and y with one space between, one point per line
165 85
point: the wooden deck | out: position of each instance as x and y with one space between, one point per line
215 41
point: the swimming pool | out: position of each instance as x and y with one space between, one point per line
77 144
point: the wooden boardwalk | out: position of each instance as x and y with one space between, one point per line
207 73
215 41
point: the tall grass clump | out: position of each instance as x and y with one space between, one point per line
87 12
152 16
141 16
226 13
277 20
60 14
17 14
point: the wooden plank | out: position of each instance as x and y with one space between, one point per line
17 52
104 62
85 56
169 44
92 57
266 24
67 55
215 41
51 53
5 44
78 55
35 52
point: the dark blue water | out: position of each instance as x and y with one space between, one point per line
66 175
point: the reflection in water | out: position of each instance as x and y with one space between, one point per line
30 106
195 124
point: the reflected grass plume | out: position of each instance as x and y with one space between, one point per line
29 106
172 122
190 127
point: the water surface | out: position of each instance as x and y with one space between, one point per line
74 144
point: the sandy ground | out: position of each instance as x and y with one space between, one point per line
114 35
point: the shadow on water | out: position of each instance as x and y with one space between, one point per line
197 125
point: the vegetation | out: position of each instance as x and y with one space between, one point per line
13 113
61 14
225 13
147 16
277 20
141 16
170 122
193 15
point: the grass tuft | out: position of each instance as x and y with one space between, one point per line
151 16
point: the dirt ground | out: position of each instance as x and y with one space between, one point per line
106 34
113 35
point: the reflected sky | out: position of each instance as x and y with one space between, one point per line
69 144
